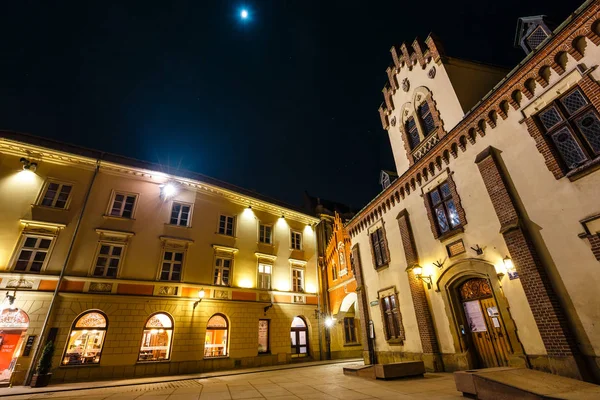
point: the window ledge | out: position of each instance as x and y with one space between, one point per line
395 342
453 232
49 207
216 358
106 216
178 226
584 169
381 268
352 344
153 362
227 236
79 365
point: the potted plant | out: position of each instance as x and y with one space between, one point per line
42 374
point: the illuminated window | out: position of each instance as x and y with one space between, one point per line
86 339
108 260
296 240
444 208
264 276
122 205
298 284
222 271
215 342
56 195
172 265
33 253
265 234
226 224
379 246
572 126
349 330
157 338
181 214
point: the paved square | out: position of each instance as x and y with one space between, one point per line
311 383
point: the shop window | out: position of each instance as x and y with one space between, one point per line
263 336
86 339
572 126
157 338
349 330
215 342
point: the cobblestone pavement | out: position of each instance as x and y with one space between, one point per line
312 383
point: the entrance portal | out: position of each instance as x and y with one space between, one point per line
299 337
13 329
484 322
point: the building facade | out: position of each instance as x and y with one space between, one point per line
131 271
344 339
485 250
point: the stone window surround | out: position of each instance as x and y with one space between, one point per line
386 292
379 224
61 183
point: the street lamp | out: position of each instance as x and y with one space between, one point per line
329 322
201 295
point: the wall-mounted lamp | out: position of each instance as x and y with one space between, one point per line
267 308
10 299
249 207
201 295
168 190
418 271
329 322
28 165
508 264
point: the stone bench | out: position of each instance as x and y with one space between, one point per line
399 369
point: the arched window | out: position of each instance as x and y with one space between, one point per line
342 255
299 337
86 339
426 118
412 132
157 337
215 342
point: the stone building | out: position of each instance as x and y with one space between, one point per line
132 271
485 250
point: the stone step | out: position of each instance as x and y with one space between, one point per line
364 371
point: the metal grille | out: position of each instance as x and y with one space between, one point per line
568 148
590 128
536 38
574 101
550 117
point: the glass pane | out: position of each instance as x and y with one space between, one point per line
101 262
160 320
114 262
217 321
116 251
441 218
298 322
40 256
215 343
428 124
45 243
30 242
36 266
452 213
293 338
435 197
104 249
445 190
21 265
168 256
302 338
156 345
25 255
568 148
91 320
84 347
590 128
179 257
550 117
574 101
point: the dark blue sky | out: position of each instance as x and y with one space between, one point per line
285 102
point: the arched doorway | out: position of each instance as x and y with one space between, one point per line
13 329
484 323
299 337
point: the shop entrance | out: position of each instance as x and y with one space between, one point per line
299 337
485 324
13 329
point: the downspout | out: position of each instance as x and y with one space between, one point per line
31 368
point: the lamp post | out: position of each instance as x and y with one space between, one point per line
328 325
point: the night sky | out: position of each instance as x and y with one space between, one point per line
284 102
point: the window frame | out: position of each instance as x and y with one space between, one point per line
146 328
214 270
392 315
569 122
20 247
113 197
270 227
74 328
101 243
380 245
302 270
259 275
172 249
352 330
301 240
233 225
443 204
44 191
228 338
190 214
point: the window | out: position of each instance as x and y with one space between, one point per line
86 339
265 234
443 208
412 132
172 265
572 125
349 330
264 276
342 257
379 246
391 317
296 240
122 205
226 225
334 271
215 342
180 214
222 271
33 253
297 280
108 260
57 195
263 336
157 338
427 118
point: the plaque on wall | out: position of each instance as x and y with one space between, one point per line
28 345
455 248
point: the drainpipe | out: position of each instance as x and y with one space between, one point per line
31 368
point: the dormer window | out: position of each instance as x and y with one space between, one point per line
531 32
386 178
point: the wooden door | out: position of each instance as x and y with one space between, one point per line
484 323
